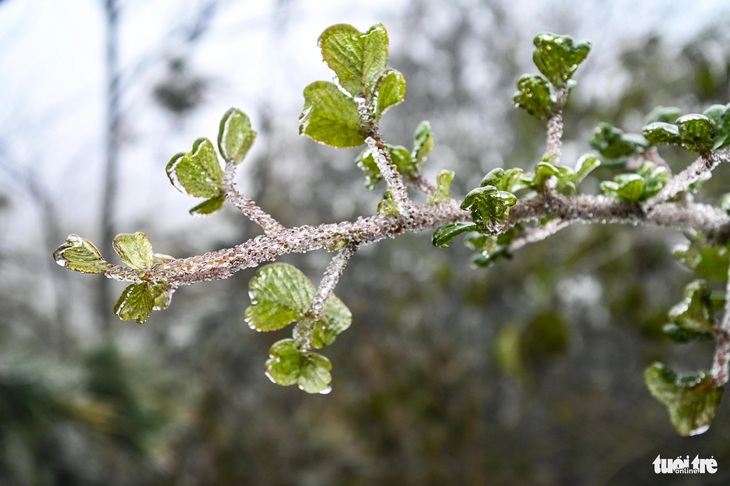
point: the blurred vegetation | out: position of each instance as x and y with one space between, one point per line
528 372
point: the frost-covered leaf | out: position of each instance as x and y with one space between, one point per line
288 365
80 255
136 302
692 318
135 250
692 399
706 260
444 234
697 133
614 145
280 294
443 187
488 206
197 173
505 180
387 205
585 165
641 185
161 295
357 58
533 95
209 206
330 116
558 56
659 133
423 143
235 136
390 90
335 319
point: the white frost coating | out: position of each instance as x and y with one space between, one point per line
172 173
390 173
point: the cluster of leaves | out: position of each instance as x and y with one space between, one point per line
198 173
138 300
281 295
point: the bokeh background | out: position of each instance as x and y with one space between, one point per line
528 372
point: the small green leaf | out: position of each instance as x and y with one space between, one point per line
335 319
722 129
505 180
697 133
136 302
533 95
491 248
330 117
659 133
288 365
357 58
209 206
161 295
235 136
444 234
284 364
197 173
488 206
443 187
80 255
692 319
585 165
280 294
692 399
423 143
387 205
558 56
706 260
390 90
628 187
135 250
664 114
614 145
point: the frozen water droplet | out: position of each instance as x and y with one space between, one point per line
699 430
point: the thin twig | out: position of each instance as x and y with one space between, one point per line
246 205
390 172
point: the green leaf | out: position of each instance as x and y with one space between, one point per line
280 294
659 133
136 302
400 156
444 234
505 180
284 364
335 319
533 95
706 260
692 399
387 206
235 136
491 248
697 133
442 193
390 90
558 56
722 127
209 206
585 165
692 319
161 295
423 143
628 187
488 206
288 365
330 117
197 173
614 145
664 114
80 255
135 250
357 58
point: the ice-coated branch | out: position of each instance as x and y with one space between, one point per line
305 327
555 128
246 205
694 172
389 171
533 235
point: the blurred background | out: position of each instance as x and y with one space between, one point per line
528 372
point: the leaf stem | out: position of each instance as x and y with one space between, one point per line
389 171
689 175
